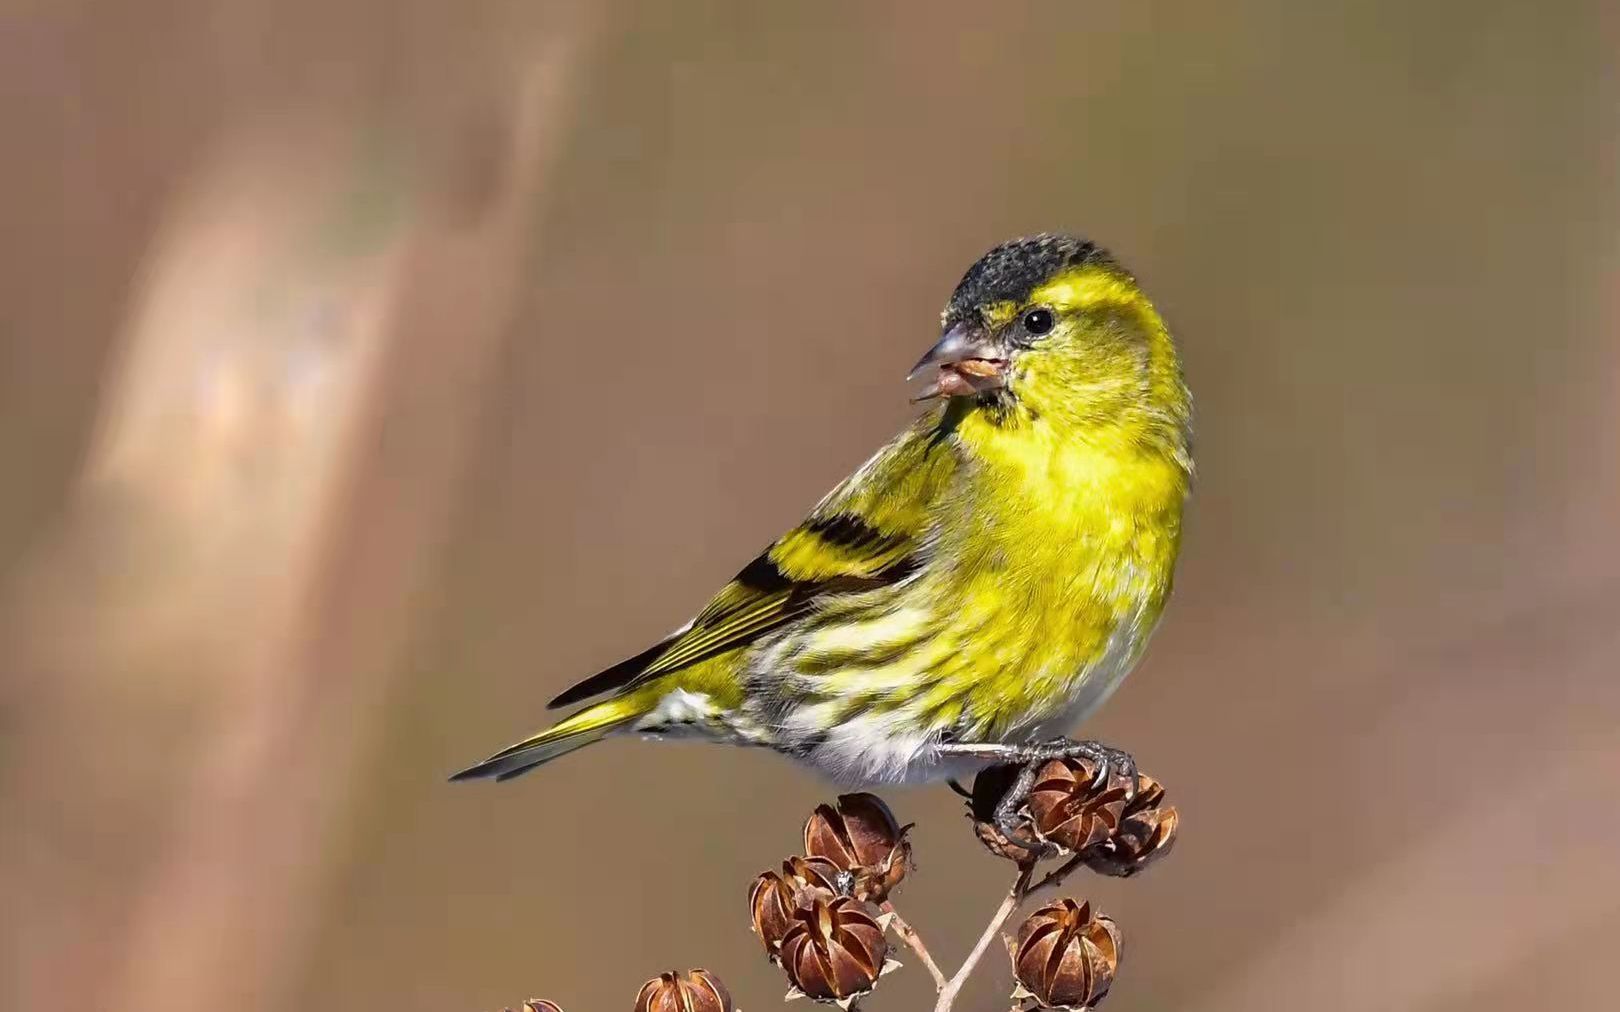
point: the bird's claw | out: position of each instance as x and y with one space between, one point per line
1108 761
1011 816
1015 827
1012 819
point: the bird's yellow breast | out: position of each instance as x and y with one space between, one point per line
1065 549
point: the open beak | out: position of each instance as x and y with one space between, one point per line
969 363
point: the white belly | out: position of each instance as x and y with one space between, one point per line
870 751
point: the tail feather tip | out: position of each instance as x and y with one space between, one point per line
476 772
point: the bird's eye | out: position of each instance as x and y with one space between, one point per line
1038 321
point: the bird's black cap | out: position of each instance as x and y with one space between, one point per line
1012 270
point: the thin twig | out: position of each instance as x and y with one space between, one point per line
1056 876
909 935
1021 890
1015 896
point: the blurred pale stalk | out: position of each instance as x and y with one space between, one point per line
214 625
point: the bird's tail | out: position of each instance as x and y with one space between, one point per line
589 725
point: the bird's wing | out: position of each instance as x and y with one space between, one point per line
869 532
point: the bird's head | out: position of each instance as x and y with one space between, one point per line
1052 327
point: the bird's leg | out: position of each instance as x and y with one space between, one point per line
1009 813
1108 759
1031 757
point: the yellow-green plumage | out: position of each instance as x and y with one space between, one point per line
987 577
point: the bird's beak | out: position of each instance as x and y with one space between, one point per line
969 363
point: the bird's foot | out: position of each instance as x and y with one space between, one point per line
1011 815
1109 761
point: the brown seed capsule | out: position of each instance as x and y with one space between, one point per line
1146 833
863 837
1073 808
1066 957
1149 794
989 787
693 991
834 951
775 895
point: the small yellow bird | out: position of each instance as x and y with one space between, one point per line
979 586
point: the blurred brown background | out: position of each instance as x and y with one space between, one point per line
371 369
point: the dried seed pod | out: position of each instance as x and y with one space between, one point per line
771 903
1004 846
813 873
1146 833
860 836
991 785
1066 957
693 991
1149 794
1071 806
834 951
775 895
859 832
536 1005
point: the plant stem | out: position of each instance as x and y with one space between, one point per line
1015 896
1021 890
1056 876
909 935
